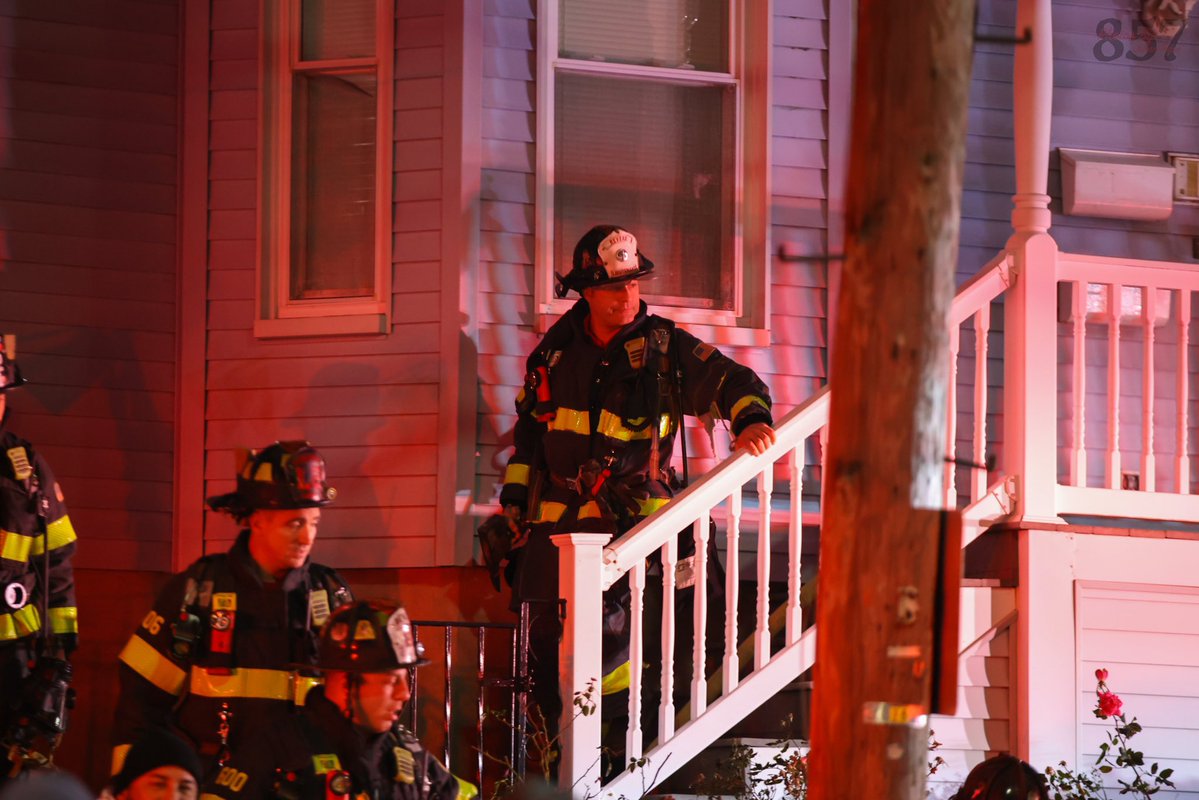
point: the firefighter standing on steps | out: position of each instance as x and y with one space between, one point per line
220 644
38 625
604 397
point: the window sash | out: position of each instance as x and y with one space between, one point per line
749 230
279 313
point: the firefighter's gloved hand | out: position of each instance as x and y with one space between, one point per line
498 535
630 497
41 712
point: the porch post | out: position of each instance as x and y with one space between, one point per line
580 572
1030 365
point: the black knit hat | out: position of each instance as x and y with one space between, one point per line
156 749
1003 777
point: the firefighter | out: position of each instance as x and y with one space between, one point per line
604 397
347 742
38 626
223 639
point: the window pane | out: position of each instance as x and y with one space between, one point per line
333 187
663 33
337 29
656 158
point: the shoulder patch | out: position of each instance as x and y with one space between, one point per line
19 458
703 351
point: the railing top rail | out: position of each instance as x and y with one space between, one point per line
1127 271
979 291
801 422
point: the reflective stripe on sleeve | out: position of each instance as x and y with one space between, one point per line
60 532
20 623
517 473
745 402
118 757
152 665
64 619
651 504
466 789
15 546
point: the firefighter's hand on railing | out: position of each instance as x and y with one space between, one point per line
755 438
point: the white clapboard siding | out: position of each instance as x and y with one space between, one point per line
981 727
87 221
1147 637
371 405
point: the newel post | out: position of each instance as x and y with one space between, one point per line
1030 305
580 572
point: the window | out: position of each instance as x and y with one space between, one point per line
654 116
325 223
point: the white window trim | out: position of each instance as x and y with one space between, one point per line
749 322
277 314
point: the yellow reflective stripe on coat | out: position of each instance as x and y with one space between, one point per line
517 473
60 533
552 512
261 684
617 680
15 546
567 419
152 665
22 622
747 401
64 619
651 504
466 789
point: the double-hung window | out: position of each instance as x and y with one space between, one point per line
325 221
654 116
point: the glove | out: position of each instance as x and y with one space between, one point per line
497 536
41 711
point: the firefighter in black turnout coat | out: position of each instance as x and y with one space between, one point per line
220 645
347 741
38 618
603 400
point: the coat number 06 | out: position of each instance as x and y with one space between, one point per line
153 623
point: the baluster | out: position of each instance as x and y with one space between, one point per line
481 711
1078 464
699 686
449 702
1148 460
732 586
1183 464
951 419
1114 306
795 461
762 631
982 327
670 557
636 656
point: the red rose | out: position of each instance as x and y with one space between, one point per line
1110 705
1101 674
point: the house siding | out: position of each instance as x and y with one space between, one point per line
793 365
369 404
88 224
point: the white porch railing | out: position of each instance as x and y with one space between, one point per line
1154 305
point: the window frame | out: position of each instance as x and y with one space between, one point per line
278 315
749 74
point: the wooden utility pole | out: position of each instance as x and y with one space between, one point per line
889 377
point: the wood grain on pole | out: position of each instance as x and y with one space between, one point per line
888 406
